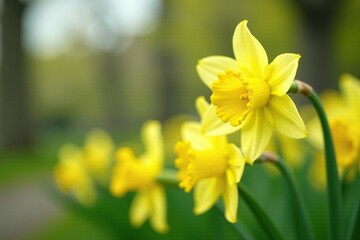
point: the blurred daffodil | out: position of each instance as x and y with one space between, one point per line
343 111
249 93
71 175
132 173
317 172
211 165
98 152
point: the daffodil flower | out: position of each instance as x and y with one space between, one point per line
132 173
209 164
71 175
343 111
249 94
98 152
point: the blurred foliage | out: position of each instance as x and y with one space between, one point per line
69 90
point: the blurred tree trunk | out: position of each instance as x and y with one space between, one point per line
318 18
14 116
109 68
167 63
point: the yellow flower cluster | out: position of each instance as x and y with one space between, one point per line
78 167
249 96
81 169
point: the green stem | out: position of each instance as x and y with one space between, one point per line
333 182
262 217
355 217
242 233
304 229
168 177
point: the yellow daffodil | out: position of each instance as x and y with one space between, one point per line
343 111
98 152
139 174
71 175
249 93
211 165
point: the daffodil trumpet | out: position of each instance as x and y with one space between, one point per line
332 177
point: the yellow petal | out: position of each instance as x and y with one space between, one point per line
282 72
249 52
255 135
236 161
212 125
230 198
140 208
210 67
158 215
286 117
191 132
350 86
152 139
333 103
206 193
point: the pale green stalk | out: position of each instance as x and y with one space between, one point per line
333 182
304 230
354 218
243 234
168 178
261 216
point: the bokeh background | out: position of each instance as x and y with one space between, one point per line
68 66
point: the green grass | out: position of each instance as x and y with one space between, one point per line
21 165
70 226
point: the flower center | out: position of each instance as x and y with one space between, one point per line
130 173
259 92
197 165
235 96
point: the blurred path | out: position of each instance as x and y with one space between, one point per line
25 208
